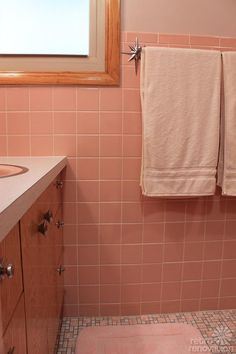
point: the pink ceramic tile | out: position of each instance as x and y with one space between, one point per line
189 305
229 249
228 269
154 211
131 254
231 209
18 123
132 146
70 277
172 272
41 145
111 146
64 98
64 123
88 234
69 234
110 274
213 250
89 310
205 41
69 191
153 233
89 294
87 99
174 232
194 231
152 253
110 191
71 295
88 213
173 252
209 304
210 288
130 309
131 168
87 146
151 292
69 213
195 210
132 101
191 290
88 255
70 255
17 98
175 210
211 270
193 251
173 39
110 212
2 98
192 270
132 123
230 230
87 123
88 191
227 42
111 99
145 37
150 307
65 145
110 168
110 233
130 293
131 191
3 145
215 210
40 98
152 273
111 123
87 169
129 78
131 274
110 309
18 145
3 128
171 291
41 123
131 212
170 306
70 171
110 254
88 275
71 310
131 233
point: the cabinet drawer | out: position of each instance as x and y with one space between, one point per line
10 286
14 337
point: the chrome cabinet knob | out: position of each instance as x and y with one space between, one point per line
59 184
60 224
8 271
43 228
60 270
48 216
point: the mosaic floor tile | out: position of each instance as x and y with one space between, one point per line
217 327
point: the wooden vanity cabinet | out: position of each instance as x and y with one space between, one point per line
42 247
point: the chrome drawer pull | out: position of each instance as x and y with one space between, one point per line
9 271
59 184
60 224
60 270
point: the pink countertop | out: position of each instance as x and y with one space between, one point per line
18 193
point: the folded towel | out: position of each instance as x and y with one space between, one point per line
180 93
227 157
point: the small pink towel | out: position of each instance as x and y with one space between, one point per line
227 158
160 338
180 92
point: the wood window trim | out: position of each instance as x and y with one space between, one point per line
110 76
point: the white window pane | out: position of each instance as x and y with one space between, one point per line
53 27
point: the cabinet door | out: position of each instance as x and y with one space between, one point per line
11 286
40 263
15 335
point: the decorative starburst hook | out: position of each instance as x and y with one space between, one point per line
135 53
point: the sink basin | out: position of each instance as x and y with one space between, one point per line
11 170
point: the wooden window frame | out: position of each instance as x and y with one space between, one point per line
110 76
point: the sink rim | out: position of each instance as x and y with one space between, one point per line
23 170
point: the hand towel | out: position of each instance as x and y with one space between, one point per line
227 157
180 94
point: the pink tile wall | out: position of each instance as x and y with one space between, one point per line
124 254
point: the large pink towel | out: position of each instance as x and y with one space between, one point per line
180 92
168 338
227 159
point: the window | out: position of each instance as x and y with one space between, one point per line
64 42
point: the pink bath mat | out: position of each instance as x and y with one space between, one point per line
168 338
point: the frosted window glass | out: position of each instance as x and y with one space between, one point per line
44 27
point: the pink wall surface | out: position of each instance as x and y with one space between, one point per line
202 17
124 254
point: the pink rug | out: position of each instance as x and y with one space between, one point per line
168 338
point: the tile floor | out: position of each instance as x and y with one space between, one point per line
217 327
